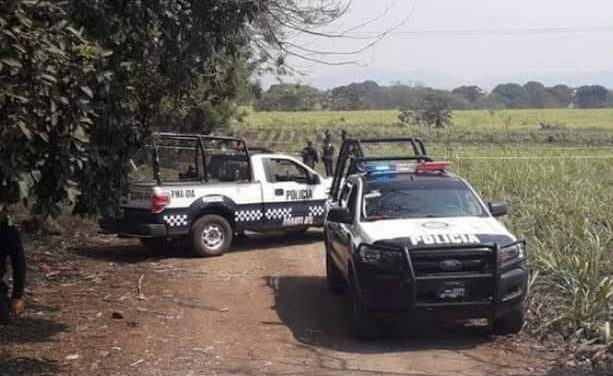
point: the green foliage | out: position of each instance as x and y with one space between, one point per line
288 97
176 65
46 67
432 111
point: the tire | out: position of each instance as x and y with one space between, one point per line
364 325
334 277
211 236
511 323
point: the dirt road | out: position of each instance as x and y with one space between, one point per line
262 309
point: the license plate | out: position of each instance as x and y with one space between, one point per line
453 290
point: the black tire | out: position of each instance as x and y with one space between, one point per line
364 324
211 236
511 323
334 277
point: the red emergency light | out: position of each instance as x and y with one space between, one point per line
432 167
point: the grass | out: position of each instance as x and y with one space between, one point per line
560 201
562 207
288 131
463 120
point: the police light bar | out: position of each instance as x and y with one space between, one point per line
387 168
432 167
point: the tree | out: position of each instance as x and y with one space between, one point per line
537 94
474 95
560 96
591 96
45 67
290 97
510 95
432 111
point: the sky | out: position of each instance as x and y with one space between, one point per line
448 43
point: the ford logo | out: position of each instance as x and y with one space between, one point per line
451 265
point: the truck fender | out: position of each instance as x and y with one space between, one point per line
213 204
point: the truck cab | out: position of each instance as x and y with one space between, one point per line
209 188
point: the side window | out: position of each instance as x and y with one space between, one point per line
344 197
284 170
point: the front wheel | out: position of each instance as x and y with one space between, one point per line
211 236
364 324
511 323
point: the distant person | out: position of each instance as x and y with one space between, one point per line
327 155
309 155
343 135
11 248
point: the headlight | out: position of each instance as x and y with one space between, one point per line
383 257
512 253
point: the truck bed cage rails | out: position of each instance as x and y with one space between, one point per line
351 156
201 139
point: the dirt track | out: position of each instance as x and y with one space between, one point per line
262 309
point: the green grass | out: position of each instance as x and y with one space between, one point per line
463 120
562 206
287 131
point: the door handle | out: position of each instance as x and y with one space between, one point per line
279 192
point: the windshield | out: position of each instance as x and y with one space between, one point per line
418 200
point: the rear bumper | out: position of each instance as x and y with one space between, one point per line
131 229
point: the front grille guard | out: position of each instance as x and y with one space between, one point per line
495 274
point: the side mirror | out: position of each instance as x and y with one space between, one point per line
313 179
339 215
497 209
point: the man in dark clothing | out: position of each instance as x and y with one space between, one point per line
309 155
328 155
11 247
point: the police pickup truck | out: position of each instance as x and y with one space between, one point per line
209 188
404 236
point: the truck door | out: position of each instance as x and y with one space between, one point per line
291 196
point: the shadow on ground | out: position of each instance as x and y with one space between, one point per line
31 330
318 318
28 331
136 253
28 367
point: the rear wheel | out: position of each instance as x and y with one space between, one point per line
211 236
511 323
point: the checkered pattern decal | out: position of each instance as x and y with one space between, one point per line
278 213
316 211
248 215
176 220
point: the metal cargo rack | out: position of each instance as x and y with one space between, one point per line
352 157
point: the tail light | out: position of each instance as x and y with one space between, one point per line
432 167
159 202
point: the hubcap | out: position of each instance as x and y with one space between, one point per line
213 236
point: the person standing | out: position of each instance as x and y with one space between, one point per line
11 248
327 155
343 136
309 155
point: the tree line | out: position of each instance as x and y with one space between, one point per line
369 95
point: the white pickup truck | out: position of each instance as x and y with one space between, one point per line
210 188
